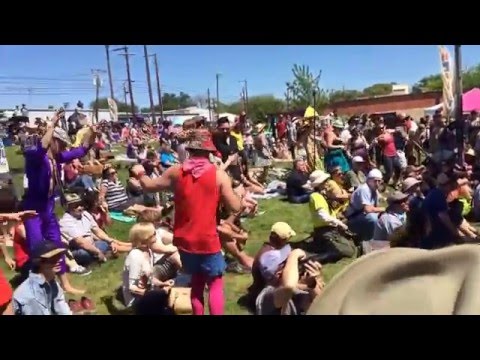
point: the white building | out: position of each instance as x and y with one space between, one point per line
399 89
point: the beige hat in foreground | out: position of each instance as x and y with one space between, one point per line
403 281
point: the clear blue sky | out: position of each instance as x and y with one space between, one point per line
58 74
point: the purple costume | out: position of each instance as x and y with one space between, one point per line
38 196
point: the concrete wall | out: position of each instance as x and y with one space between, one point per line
400 103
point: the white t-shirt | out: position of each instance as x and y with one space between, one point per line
71 227
136 266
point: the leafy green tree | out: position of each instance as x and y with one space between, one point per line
303 86
378 89
258 107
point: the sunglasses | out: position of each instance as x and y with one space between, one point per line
112 173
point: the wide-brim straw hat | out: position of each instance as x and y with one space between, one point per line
406 281
260 127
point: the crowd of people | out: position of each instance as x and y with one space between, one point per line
369 184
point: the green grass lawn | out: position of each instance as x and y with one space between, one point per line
106 278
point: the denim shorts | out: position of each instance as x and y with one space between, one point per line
211 265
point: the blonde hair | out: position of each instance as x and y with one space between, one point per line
141 233
149 216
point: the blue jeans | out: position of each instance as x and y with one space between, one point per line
85 258
363 225
212 265
391 165
85 181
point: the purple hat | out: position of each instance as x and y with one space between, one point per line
270 261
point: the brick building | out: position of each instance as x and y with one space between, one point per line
412 104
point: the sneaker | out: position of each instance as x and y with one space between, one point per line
80 270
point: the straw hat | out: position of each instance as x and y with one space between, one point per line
260 127
406 281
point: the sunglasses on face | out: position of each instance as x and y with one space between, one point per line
112 173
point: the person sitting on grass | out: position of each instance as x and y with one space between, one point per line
138 277
291 284
78 228
98 210
113 192
40 294
166 257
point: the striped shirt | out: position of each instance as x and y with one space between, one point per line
115 195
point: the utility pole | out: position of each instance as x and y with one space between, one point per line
97 81
129 78
288 96
209 105
217 76
242 98
149 83
125 92
159 89
459 119
109 69
245 95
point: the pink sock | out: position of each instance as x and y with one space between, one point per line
198 287
216 300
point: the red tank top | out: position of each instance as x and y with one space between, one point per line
5 290
196 202
19 248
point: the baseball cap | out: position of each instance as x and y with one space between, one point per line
60 134
47 250
375 174
271 261
283 230
358 159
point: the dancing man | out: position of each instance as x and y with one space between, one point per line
42 167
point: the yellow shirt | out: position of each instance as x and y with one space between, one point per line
239 138
318 202
334 190
79 137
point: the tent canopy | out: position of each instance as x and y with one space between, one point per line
470 102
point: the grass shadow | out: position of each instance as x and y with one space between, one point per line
112 308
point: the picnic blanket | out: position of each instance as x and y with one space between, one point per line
118 216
